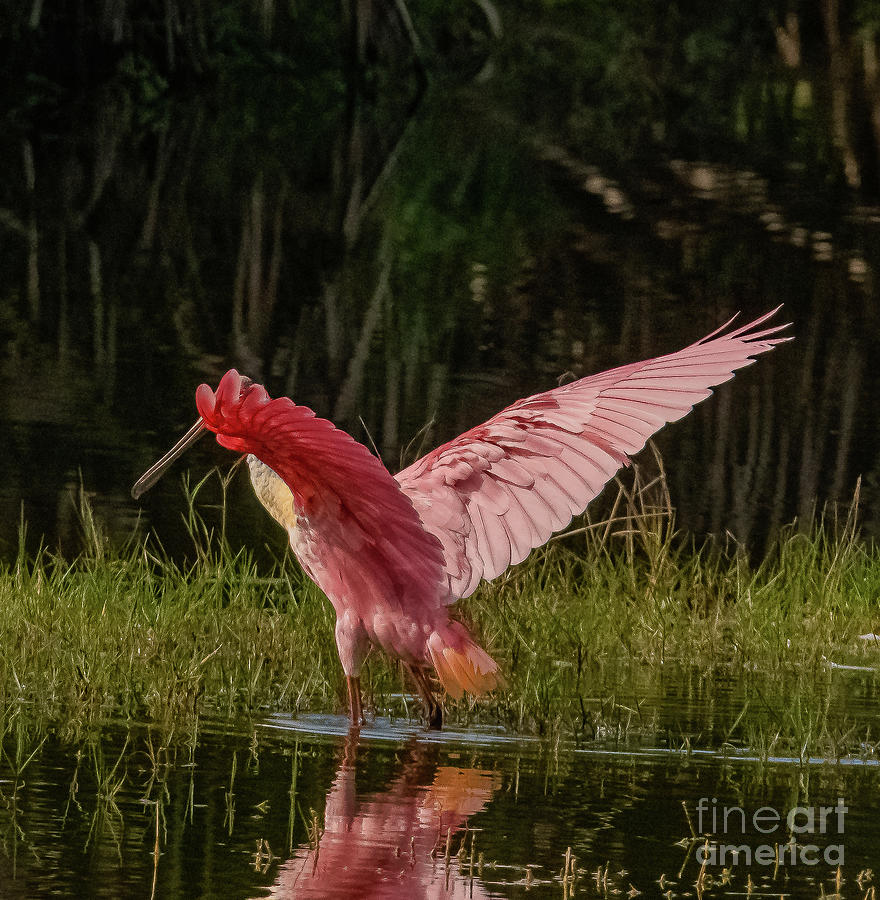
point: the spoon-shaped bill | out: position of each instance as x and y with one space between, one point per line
157 470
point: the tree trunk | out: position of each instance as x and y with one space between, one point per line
840 76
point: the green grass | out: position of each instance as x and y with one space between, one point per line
596 632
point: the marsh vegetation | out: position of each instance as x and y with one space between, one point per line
621 630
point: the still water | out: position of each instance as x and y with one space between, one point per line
488 267
301 808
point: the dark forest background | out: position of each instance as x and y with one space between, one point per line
409 214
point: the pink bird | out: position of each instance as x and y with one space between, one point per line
391 844
393 553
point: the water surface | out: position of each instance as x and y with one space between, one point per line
301 808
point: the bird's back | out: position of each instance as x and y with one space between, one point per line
353 529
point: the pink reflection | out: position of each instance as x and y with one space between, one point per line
380 845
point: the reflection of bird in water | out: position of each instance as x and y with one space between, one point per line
393 553
381 845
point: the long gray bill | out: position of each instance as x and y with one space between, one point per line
157 470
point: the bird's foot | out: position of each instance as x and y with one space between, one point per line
355 706
434 716
432 708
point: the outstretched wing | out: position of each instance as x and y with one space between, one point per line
356 534
502 488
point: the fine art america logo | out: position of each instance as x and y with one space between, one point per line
788 834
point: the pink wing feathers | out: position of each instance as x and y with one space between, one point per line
503 488
358 535
474 506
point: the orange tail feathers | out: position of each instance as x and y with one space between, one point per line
462 664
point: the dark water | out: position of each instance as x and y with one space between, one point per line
482 265
785 437
297 809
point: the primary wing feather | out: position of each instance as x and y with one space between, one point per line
502 488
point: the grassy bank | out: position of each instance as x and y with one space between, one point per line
598 634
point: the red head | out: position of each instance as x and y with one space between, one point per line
234 391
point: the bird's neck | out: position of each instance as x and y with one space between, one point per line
272 492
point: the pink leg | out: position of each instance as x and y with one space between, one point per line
433 709
354 701
353 644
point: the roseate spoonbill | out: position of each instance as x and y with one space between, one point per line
381 845
392 553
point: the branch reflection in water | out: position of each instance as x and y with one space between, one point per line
407 841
